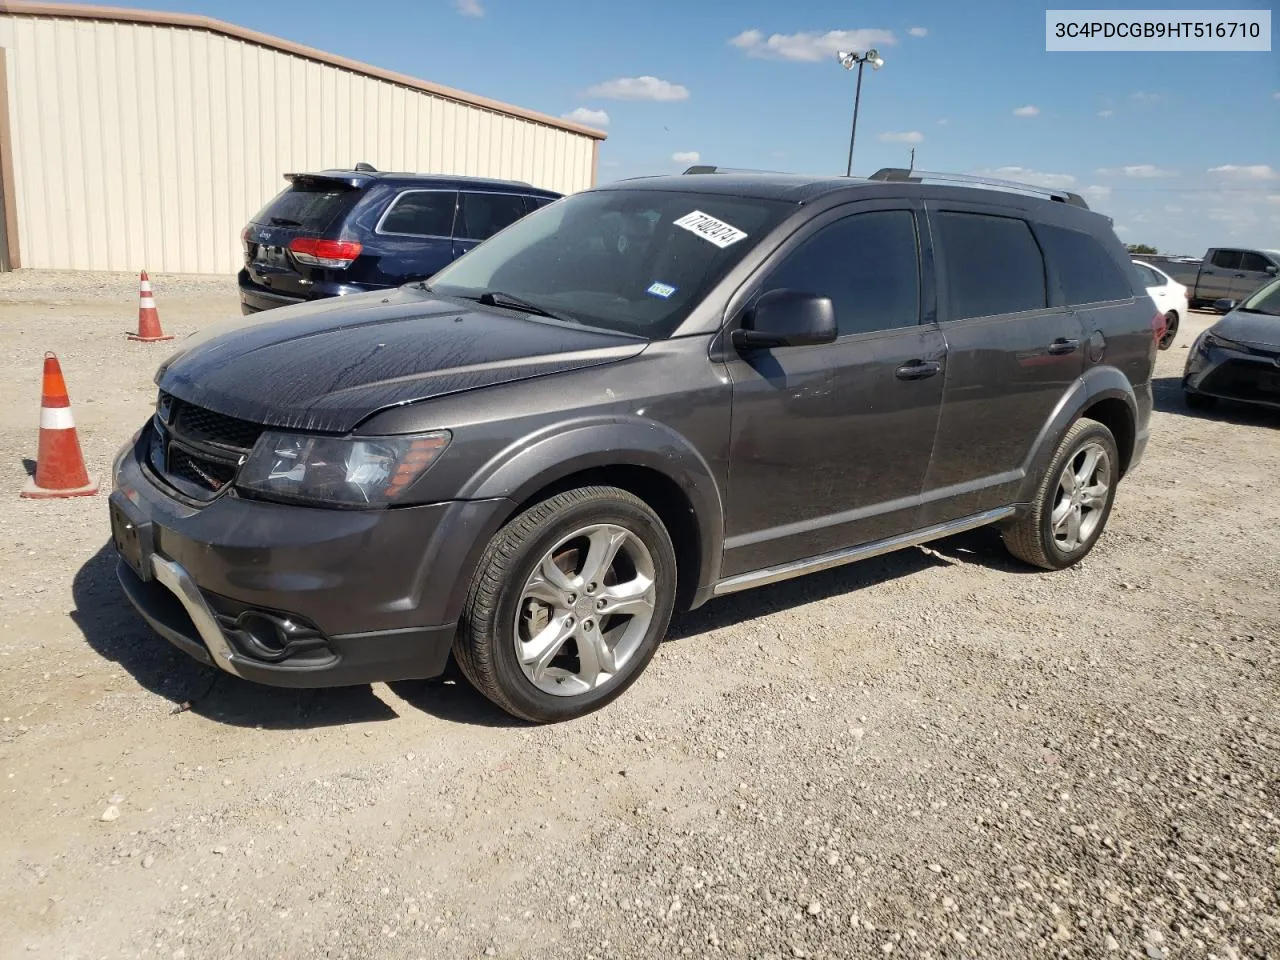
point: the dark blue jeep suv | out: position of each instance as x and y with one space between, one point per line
351 231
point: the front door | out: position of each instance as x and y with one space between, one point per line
1252 274
1217 275
830 443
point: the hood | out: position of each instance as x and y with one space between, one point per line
1255 328
329 365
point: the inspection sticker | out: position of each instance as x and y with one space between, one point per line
710 229
663 290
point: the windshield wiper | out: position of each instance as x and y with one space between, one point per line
496 298
285 222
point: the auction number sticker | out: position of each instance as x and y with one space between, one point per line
710 229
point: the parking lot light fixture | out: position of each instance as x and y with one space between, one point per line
850 59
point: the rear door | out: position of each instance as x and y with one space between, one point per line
413 238
1217 275
1011 355
482 214
1251 275
308 207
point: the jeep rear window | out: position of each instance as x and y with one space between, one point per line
632 261
310 204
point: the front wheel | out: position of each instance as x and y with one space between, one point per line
568 604
1073 501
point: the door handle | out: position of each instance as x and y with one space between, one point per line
1063 346
918 369
1240 275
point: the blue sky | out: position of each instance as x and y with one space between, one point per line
1182 149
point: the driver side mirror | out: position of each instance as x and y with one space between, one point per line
1225 305
1272 269
787 318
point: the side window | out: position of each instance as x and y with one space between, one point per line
1148 276
992 265
1254 261
481 215
536 203
868 264
1087 272
421 213
1226 259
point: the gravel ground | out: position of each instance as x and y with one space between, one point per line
933 754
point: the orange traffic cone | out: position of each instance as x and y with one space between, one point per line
60 470
148 317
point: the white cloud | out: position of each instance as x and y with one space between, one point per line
1172 208
1143 171
943 122
1273 198
1096 192
469 8
1258 171
1030 110
908 136
639 88
1142 96
809 47
588 117
1104 114
1056 181
686 156
1276 95
919 31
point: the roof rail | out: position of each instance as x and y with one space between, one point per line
899 175
707 168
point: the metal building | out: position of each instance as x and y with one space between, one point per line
131 139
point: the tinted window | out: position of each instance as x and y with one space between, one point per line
867 264
1148 276
1086 270
481 215
1227 259
635 261
421 213
313 205
536 203
992 265
1254 261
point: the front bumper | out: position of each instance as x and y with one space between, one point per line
297 596
1247 375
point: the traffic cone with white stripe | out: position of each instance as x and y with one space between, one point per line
60 469
148 317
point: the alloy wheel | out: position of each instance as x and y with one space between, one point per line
1083 489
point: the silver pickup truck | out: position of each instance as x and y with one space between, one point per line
1225 273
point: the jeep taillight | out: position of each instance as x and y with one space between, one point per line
337 254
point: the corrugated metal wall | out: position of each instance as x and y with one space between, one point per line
141 146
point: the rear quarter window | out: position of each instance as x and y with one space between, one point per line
1087 273
309 205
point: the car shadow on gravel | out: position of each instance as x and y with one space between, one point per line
981 547
113 629
1168 398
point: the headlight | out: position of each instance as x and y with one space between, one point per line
353 471
1212 340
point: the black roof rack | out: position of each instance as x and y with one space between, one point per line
899 175
707 168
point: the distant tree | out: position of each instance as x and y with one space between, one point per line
1143 248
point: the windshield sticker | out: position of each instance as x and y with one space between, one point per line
663 290
710 229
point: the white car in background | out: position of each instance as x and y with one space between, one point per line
1170 297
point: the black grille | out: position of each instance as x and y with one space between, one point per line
205 426
197 451
199 472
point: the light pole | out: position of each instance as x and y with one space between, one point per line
849 60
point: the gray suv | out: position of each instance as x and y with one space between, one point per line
634 400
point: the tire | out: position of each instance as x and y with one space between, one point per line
1171 330
513 602
1198 401
1033 538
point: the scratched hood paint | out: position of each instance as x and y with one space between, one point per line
329 365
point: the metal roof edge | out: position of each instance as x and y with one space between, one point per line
77 11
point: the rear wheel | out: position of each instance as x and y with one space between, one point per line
1073 502
568 604
1170 330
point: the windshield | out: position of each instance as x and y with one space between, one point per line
632 261
1265 300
